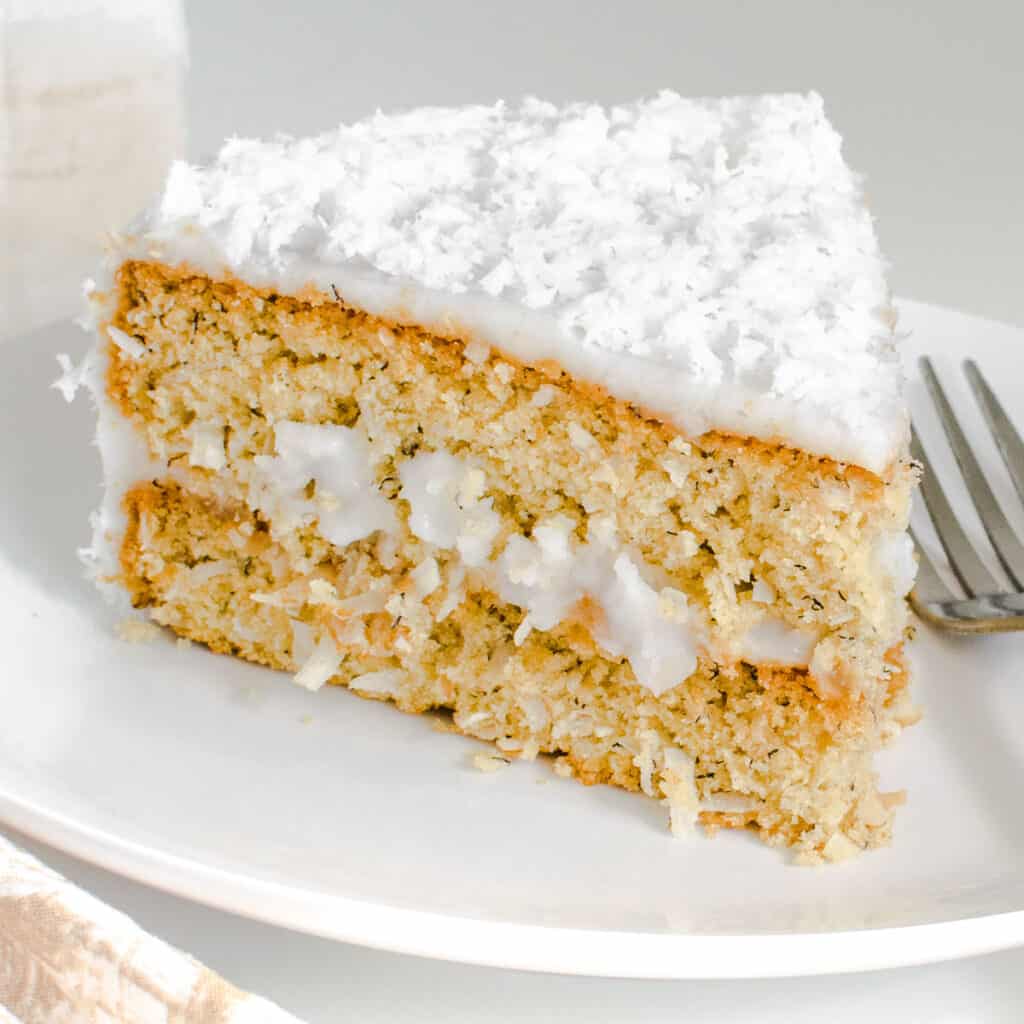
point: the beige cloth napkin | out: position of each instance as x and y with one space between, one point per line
67 957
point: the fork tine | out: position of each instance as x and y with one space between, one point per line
1004 541
1007 439
964 560
929 585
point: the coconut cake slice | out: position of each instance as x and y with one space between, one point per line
584 423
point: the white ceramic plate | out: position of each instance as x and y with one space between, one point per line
338 816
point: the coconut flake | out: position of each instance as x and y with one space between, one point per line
426 577
582 440
125 342
320 666
729 803
203 572
367 603
207 446
71 378
489 763
523 630
385 682
302 641
772 642
542 397
456 591
137 631
679 786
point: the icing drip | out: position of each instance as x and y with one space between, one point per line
322 473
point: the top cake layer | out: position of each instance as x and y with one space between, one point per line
709 260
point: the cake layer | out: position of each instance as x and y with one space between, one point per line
311 412
737 746
709 261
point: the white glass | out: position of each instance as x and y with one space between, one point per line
91 114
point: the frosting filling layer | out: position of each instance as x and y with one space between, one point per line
324 474
629 607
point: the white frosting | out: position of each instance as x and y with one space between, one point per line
549 574
895 557
646 626
772 642
709 259
126 461
447 505
345 501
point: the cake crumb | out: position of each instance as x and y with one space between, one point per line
183 643
137 631
489 762
563 768
839 848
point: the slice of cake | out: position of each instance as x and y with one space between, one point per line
585 424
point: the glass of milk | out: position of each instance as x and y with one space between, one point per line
91 114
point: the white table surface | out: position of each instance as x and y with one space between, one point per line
926 95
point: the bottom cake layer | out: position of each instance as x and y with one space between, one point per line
733 746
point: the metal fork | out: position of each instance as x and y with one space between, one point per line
986 606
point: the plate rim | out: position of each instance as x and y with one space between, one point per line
553 949
599 953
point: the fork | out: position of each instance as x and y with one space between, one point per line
986 606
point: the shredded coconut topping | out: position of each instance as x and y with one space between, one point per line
710 259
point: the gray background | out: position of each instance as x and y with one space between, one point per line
927 96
